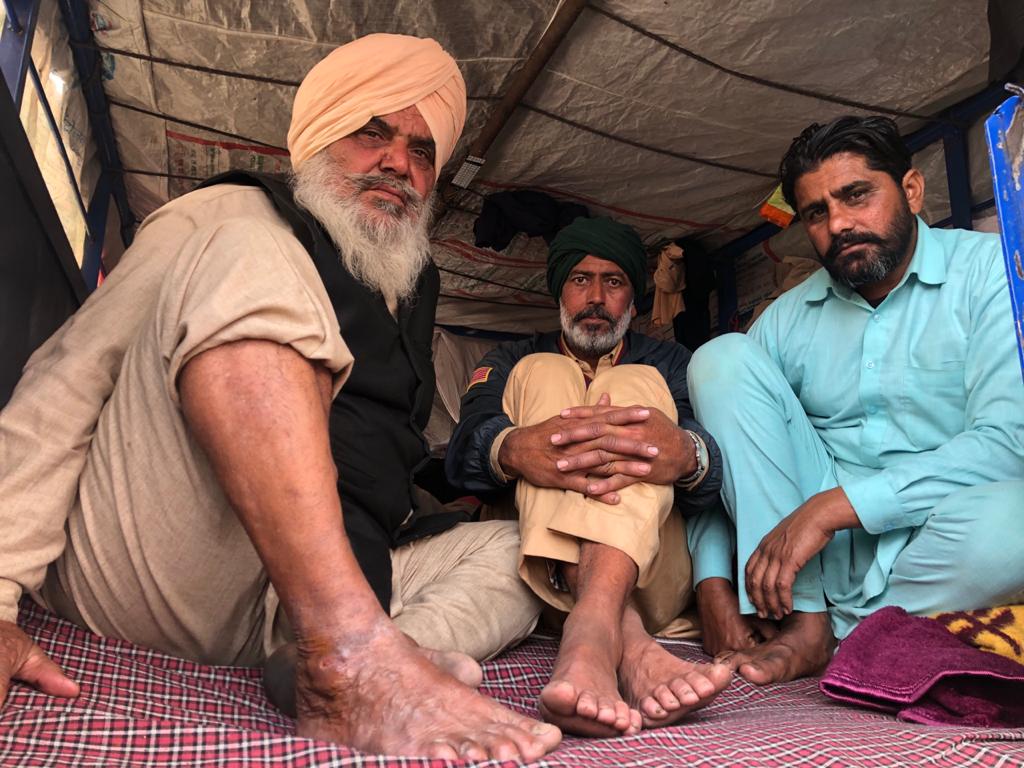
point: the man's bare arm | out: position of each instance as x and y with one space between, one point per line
260 412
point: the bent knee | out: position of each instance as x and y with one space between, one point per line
992 506
545 364
722 360
633 384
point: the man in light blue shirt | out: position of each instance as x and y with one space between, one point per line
871 422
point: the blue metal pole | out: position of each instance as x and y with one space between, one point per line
725 273
99 206
958 177
90 69
16 44
1005 134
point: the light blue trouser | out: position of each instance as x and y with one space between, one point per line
968 554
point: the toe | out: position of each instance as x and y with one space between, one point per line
560 698
753 672
501 745
607 711
549 736
441 750
684 692
636 722
588 705
623 716
532 741
666 698
700 683
652 709
471 749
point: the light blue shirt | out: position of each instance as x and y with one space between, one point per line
913 399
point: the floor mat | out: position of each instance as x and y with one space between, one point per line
140 708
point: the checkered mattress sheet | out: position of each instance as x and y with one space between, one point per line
142 708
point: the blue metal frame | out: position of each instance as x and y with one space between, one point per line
96 220
90 68
1005 147
16 44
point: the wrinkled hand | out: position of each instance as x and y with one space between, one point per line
21 659
634 444
595 450
773 567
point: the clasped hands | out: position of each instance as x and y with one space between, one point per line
598 450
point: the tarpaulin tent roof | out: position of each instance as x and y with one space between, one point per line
669 115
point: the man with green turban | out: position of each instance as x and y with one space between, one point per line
592 431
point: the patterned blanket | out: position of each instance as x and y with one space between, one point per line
141 708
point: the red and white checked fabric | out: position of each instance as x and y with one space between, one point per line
141 708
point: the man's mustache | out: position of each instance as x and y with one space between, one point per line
596 311
845 240
365 181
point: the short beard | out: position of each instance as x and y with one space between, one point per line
585 343
385 250
883 254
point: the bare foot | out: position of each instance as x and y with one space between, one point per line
279 673
661 687
803 647
386 697
723 627
583 695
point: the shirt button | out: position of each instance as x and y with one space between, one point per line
871 409
871 364
875 317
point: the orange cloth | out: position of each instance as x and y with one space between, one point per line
377 75
669 283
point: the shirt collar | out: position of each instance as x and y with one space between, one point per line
927 264
610 359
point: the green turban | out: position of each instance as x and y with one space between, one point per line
605 238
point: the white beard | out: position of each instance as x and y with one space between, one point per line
385 250
584 343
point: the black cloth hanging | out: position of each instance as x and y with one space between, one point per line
535 214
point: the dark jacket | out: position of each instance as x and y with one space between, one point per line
378 418
468 463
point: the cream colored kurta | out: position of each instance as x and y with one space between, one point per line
93 441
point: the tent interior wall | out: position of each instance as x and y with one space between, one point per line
669 116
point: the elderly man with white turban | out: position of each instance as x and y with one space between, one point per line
215 454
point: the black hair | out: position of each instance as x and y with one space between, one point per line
876 139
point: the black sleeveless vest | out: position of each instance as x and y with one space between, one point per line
378 418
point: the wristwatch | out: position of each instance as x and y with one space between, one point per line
700 452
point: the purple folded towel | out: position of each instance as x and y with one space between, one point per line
916 668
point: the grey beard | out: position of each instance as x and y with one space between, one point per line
585 344
385 251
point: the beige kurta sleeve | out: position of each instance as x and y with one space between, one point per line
230 293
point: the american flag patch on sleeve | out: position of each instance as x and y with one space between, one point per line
480 375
